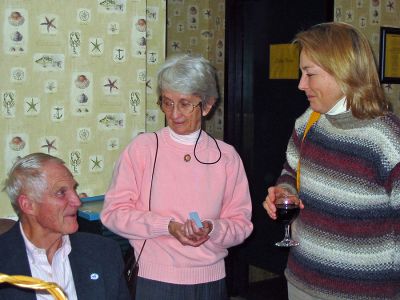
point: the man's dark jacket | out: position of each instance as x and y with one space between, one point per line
96 264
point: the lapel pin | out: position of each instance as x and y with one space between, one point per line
94 276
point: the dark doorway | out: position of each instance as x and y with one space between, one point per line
260 113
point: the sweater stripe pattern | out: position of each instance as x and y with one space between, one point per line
350 186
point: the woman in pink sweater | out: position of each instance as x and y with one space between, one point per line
181 169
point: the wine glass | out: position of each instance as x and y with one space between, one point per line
287 209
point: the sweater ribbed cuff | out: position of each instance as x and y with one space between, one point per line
160 226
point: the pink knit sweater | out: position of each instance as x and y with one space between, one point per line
218 192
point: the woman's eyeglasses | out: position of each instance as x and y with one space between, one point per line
185 107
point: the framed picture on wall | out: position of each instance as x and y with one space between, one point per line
389 55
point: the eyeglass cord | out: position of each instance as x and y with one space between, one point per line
215 141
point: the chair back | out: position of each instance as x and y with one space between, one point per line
6 224
28 282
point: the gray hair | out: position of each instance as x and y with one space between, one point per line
26 176
188 74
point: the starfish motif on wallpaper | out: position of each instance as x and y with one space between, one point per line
207 13
388 87
175 45
96 163
31 106
49 23
390 5
96 46
49 145
111 84
148 84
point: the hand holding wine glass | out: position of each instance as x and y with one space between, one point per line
287 210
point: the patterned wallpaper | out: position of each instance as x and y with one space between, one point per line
198 27
369 16
78 82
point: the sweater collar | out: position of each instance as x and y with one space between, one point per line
346 120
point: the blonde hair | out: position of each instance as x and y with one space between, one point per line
344 52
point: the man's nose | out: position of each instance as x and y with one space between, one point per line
75 200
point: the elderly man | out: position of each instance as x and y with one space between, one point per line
45 243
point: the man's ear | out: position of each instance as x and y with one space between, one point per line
207 108
25 204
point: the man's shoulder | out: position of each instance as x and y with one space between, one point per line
94 248
91 238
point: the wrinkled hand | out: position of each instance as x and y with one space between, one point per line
269 202
188 234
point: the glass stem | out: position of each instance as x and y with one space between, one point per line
287 232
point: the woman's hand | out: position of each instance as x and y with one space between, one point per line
188 234
269 202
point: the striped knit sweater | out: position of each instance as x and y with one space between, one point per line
349 230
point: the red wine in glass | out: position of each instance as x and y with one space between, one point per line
286 213
287 210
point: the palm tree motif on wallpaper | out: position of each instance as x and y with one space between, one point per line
75 42
134 101
75 161
9 103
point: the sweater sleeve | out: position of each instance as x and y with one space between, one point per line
394 193
126 205
234 224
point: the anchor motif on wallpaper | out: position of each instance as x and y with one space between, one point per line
119 54
58 113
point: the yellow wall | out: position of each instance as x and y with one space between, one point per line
59 65
198 27
369 16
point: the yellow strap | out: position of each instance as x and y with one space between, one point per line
311 121
34 283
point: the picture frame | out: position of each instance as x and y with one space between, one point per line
389 55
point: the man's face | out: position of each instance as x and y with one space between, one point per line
56 211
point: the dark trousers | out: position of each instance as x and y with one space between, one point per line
147 289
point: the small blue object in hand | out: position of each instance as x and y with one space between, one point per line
195 217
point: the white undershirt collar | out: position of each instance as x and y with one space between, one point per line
187 139
338 108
